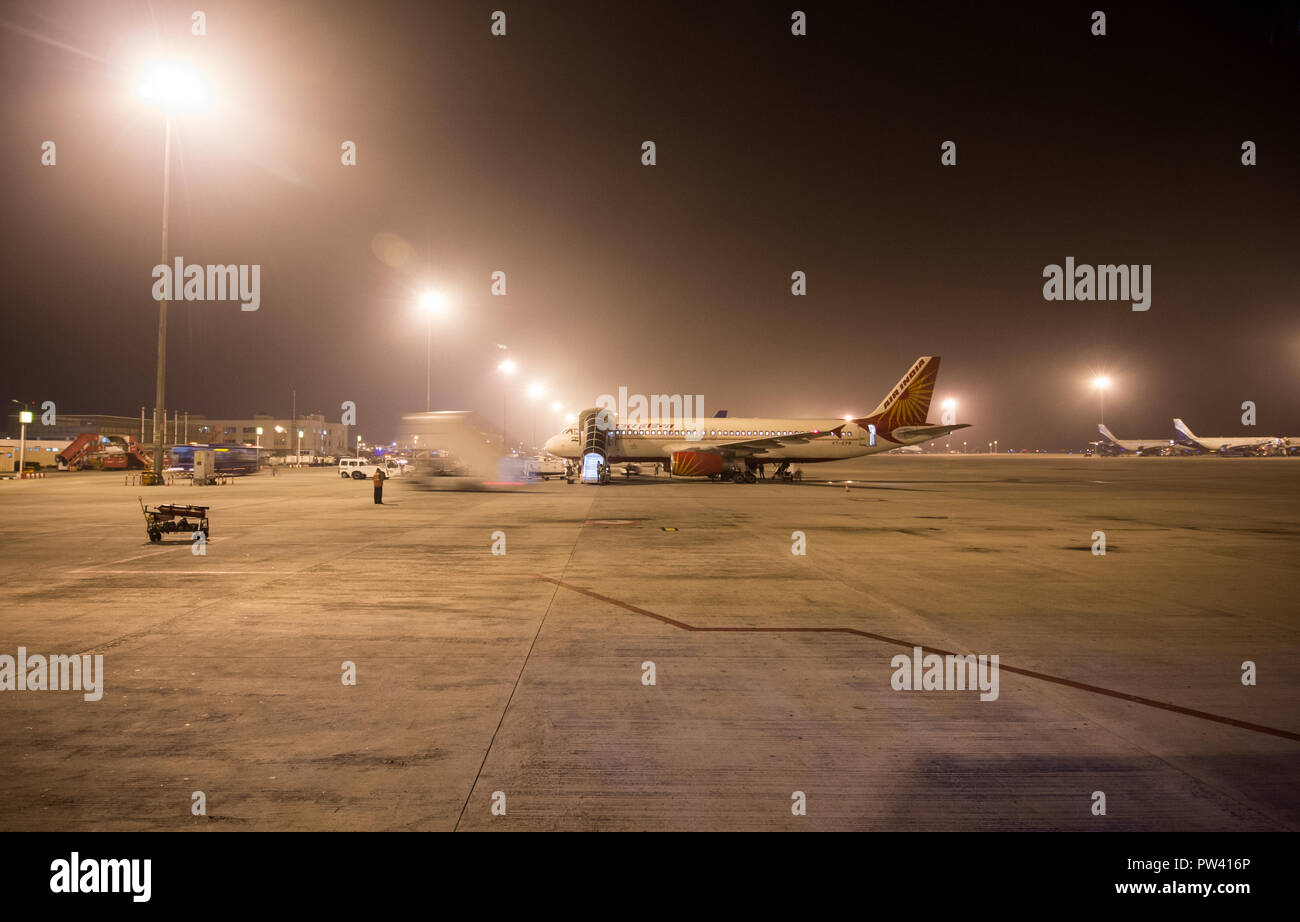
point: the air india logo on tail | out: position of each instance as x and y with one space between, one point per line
908 403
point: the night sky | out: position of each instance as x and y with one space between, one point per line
775 153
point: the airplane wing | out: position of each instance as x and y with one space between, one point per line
925 433
1247 445
745 447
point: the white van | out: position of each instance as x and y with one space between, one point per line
544 467
361 469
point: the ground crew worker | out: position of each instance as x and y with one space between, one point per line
379 487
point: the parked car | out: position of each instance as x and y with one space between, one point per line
544 467
364 469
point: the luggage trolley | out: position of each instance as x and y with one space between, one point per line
164 519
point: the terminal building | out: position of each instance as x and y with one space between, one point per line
67 426
279 435
39 453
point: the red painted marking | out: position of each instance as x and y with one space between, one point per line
1028 673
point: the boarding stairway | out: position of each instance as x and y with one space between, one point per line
113 452
594 426
76 452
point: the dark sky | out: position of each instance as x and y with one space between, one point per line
775 153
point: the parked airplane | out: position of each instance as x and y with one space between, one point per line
733 448
1109 445
1234 445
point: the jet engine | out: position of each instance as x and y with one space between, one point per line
695 464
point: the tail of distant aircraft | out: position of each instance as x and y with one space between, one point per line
908 403
1186 434
1106 433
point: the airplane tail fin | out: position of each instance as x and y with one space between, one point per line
1106 433
1186 434
908 403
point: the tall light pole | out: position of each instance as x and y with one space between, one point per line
298 450
536 391
160 390
1101 382
556 407
507 368
431 303
24 417
174 88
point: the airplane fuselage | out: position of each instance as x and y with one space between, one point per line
1139 446
657 440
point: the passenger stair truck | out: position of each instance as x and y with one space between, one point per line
75 454
89 449
136 456
594 426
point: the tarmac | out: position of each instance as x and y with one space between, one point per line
508 691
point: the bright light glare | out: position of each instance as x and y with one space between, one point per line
507 367
557 406
174 86
950 404
1101 382
432 302
536 389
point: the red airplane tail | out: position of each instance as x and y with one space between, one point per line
908 403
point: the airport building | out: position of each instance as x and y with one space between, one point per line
67 426
38 452
278 433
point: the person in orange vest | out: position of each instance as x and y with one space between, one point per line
379 487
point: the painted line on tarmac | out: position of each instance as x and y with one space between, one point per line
908 645
94 567
180 572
